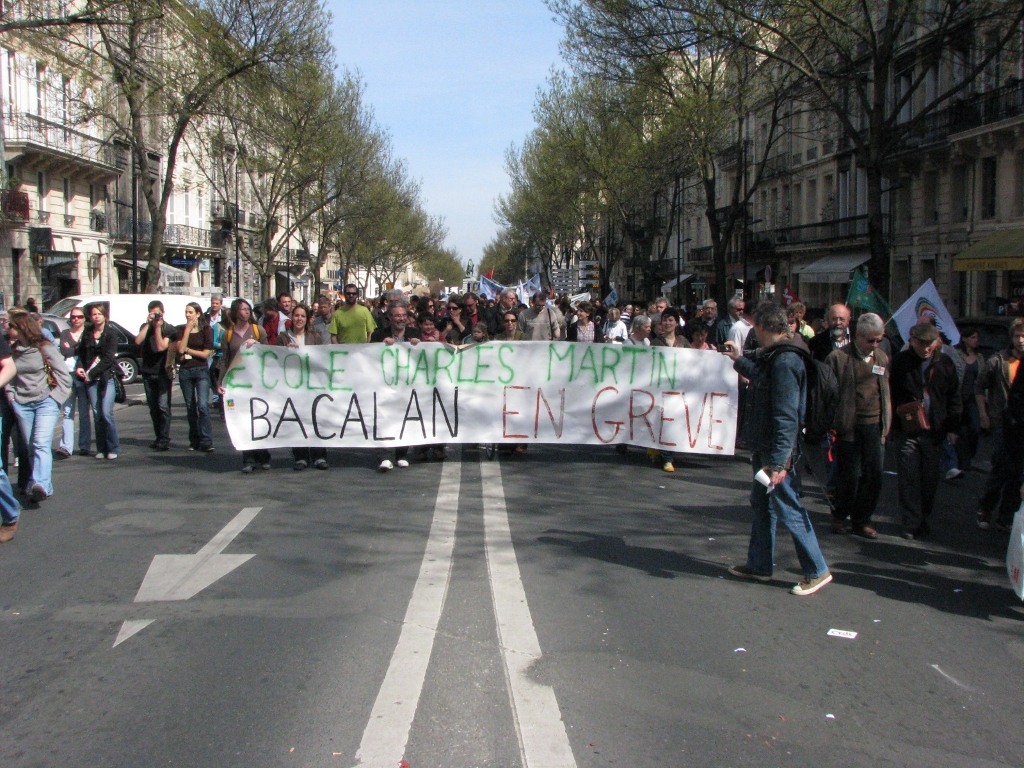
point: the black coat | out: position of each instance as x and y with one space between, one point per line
943 389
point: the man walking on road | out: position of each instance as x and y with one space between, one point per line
776 400
1001 403
862 423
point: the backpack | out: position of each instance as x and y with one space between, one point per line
231 332
822 403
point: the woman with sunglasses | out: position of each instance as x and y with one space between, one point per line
195 346
37 392
79 397
456 327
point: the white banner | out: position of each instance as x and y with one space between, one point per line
926 303
374 395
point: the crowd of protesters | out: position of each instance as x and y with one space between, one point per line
930 400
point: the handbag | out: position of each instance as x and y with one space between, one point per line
913 418
120 393
51 379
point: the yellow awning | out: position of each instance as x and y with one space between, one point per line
1002 250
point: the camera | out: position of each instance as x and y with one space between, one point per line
157 315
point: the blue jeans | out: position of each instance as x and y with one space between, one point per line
10 509
37 421
77 400
195 387
101 399
781 505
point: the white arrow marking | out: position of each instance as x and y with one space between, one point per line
179 577
131 627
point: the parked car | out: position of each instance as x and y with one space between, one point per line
130 310
128 352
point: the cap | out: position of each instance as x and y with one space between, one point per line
924 332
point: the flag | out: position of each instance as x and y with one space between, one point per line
924 304
611 299
789 296
490 275
525 290
862 294
488 288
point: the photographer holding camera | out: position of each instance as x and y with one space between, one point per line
154 339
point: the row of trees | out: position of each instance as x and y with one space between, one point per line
250 91
664 94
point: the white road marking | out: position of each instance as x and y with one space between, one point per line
951 679
179 577
387 732
131 627
543 741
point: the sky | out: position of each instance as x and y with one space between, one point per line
453 83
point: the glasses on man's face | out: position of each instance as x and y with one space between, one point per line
510 319
78 317
453 308
351 293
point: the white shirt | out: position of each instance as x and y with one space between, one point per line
738 332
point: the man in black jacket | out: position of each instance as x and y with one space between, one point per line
923 374
837 336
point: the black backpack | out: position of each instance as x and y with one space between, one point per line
822 396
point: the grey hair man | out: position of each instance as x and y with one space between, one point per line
507 302
862 425
838 335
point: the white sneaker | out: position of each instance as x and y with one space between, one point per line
402 463
386 465
100 456
111 456
954 474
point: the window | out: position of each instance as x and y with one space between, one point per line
12 73
40 88
989 186
930 189
958 208
1018 184
811 215
67 196
41 191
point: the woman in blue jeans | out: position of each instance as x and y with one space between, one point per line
97 364
37 392
194 348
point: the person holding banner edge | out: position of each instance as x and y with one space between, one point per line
242 334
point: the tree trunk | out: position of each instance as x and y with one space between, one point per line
878 238
151 282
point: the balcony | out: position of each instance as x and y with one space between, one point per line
58 148
14 208
853 227
98 221
177 236
702 256
221 210
776 165
974 112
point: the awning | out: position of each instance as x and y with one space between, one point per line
1000 250
672 283
831 269
171 275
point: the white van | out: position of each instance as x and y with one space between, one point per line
130 310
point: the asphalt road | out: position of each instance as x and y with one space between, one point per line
388 617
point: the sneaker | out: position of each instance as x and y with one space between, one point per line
111 456
741 571
62 453
320 464
265 465
402 464
668 466
810 586
37 493
162 447
299 465
208 449
192 448
7 531
983 521
386 466
247 468
100 455
954 474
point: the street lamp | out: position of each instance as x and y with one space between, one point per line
679 258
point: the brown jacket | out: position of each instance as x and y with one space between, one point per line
994 383
843 363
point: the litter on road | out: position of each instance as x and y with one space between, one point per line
842 633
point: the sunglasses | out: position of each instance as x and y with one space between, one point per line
351 293
78 317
